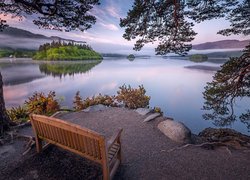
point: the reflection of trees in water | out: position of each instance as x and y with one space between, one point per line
59 69
230 84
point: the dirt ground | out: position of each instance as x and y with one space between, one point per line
144 154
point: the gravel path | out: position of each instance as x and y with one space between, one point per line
144 150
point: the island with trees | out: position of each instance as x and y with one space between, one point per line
66 51
198 57
131 57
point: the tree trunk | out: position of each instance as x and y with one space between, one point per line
4 118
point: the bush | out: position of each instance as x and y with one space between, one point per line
39 103
80 104
18 114
133 98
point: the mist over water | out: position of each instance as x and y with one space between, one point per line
18 43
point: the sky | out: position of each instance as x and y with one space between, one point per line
106 35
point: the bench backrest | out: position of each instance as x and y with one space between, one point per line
82 141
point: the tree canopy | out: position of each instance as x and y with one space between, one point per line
170 22
51 14
229 83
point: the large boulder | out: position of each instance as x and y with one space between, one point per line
176 131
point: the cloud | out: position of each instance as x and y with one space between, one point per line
113 11
111 27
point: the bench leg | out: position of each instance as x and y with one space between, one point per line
39 146
105 171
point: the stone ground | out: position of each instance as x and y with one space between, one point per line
144 149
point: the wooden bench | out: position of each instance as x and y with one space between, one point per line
79 140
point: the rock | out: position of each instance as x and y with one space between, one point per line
143 111
222 134
151 117
95 108
176 131
118 103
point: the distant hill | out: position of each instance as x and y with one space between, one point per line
20 33
225 44
14 38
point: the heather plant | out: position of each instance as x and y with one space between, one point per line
133 97
18 114
80 104
39 103
130 97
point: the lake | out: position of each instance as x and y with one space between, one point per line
174 85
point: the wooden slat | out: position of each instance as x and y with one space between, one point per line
80 140
67 126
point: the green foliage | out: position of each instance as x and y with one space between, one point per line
58 51
39 103
5 53
58 15
133 98
131 56
18 114
62 69
161 21
229 83
169 23
198 57
16 53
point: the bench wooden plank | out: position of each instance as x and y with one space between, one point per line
79 140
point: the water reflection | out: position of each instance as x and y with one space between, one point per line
19 73
174 88
60 69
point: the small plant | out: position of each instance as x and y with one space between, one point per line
39 103
133 98
18 114
78 102
157 110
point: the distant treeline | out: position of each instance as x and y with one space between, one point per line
16 53
57 44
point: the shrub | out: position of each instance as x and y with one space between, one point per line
133 98
18 114
80 104
39 103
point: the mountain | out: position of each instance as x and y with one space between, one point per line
14 38
20 33
225 44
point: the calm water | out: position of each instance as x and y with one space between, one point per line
172 86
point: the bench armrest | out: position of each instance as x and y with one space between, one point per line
116 137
